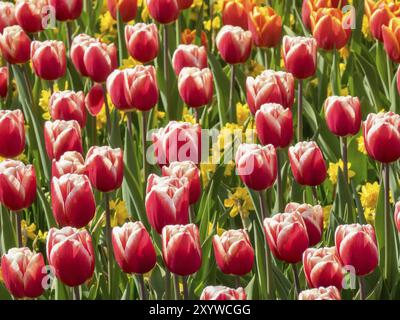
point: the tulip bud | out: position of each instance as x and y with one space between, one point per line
127 9
270 87
234 44
12 133
163 11
181 249
356 246
397 216
105 167
343 115
265 26
274 125
7 15
233 252
133 248
300 56
307 163
67 9
17 185
69 162
382 136
189 55
15 45
391 39
94 100
4 82
61 136
286 235
70 252
329 293
72 200
23 272
223 293
142 41
195 86
313 5
31 14
188 170
322 268
235 13
68 105
313 217
48 59
184 4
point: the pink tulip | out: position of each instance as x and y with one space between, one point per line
31 14
322 293
94 99
4 78
67 9
15 45
189 55
127 9
195 86
7 15
223 293
69 162
68 105
49 59
234 44
142 41
163 11
12 133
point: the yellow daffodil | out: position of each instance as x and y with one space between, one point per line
327 215
361 145
107 24
239 202
242 112
369 215
216 23
28 231
120 213
333 170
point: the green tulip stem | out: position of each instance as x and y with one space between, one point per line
361 282
143 292
108 116
18 218
108 241
300 111
144 138
296 280
166 71
185 288
177 290
343 142
167 284
232 109
385 173
76 293
279 180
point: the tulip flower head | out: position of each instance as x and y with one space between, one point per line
322 293
127 9
391 39
49 59
397 216
142 41
184 4
69 162
68 105
31 14
235 13
163 11
310 6
7 15
380 13
67 10
4 77
234 44
94 99
265 26
189 55
12 129
195 86
15 45
223 293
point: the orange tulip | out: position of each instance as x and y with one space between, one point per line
380 14
313 5
189 36
391 39
265 26
235 13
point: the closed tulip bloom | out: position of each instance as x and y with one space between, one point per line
67 9
189 55
12 133
69 162
356 246
307 163
188 170
78 47
270 87
15 45
3 82
163 11
167 201
322 293
235 13
397 216
61 136
313 5
133 248
142 41
49 59
70 252
23 272
234 44
72 200
233 252
94 99
343 115
323 268
313 217
17 184
391 39
274 125
105 168
223 293
195 86
380 16
127 9
181 249
382 136
31 14
256 165
68 105
7 15
286 235
265 26
184 4
300 56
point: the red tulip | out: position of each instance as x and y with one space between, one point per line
223 293
31 14
234 44
142 41
190 171
7 15
307 163
286 235
163 11
300 56
265 26
70 252
68 105
235 13
356 246
4 82
195 86
313 217
72 200
178 141
94 100
382 136
256 165
69 162
67 9
61 136
184 4
17 185
167 201
381 16
398 80
391 38
15 45
133 248
233 252
397 216
49 59
133 88
189 55
322 268
23 272
330 293
127 9
181 249
105 168
274 125
313 5
270 87
12 133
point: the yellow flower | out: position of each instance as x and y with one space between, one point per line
216 23
218 6
161 115
211 227
327 215
120 214
369 195
344 53
343 91
129 63
44 103
292 20
254 68
333 170
145 12
28 231
229 168
365 27
188 117
369 215
242 112
107 24
197 3
361 145
239 202
101 118
22 157
207 169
